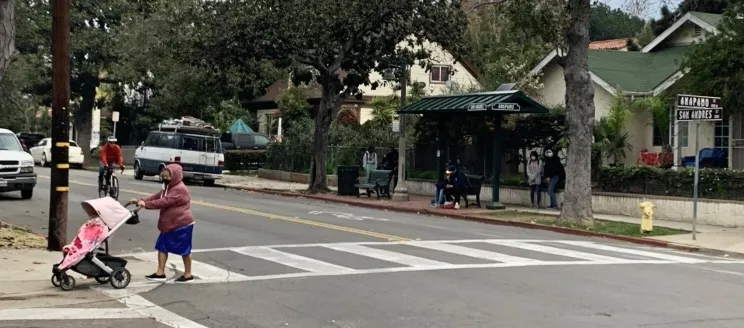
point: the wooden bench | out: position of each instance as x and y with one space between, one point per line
475 182
379 182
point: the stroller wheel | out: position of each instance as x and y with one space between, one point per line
102 280
67 283
120 278
55 280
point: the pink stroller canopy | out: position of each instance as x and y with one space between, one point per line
108 209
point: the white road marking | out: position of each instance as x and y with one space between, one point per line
439 268
147 309
348 216
668 257
292 260
556 251
68 314
388 256
471 252
198 269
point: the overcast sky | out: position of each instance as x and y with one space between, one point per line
651 6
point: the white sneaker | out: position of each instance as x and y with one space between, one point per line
457 206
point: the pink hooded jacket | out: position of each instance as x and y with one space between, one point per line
174 202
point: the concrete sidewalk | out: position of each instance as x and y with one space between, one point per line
25 281
730 240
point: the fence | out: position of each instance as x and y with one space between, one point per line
421 160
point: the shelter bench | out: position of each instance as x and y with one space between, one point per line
474 189
379 182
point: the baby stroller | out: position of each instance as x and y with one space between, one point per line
86 256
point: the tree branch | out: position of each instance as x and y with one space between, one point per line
487 3
349 45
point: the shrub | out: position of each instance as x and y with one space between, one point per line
714 183
242 160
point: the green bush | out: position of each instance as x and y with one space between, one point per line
242 160
714 183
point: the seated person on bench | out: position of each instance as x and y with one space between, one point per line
439 197
457 185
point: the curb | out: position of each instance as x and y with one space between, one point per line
519 224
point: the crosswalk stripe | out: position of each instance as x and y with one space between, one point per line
292 260
381 254
200 270
472 252
556 251
662 256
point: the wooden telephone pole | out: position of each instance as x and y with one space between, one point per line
60 125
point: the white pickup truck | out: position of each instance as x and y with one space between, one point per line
16 166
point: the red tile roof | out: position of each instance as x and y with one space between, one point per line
614 44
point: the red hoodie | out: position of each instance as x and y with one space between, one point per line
174 202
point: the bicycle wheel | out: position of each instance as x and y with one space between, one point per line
114 191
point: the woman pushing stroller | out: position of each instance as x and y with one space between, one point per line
176 223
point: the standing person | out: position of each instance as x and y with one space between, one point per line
110 153
369 160
534 178
553 173
390 162
176 223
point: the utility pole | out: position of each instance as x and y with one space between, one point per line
60 125
401 193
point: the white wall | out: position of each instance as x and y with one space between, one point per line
554 91
685 35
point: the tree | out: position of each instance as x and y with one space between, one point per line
713 67
7 35
341 48
607 23
610 133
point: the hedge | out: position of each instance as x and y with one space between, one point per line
242 160
714 183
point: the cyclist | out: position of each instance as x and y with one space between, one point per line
110 154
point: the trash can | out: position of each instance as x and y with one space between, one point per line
347 177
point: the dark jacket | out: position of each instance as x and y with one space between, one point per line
459 180
553 167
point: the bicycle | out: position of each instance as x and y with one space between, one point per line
111 183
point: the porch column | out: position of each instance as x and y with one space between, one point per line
496 168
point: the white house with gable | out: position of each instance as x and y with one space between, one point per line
652 71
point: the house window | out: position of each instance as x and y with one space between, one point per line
660 136
439 74
721 135
683 132
698 31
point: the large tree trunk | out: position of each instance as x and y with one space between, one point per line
577 199
7 35
329 104
83 118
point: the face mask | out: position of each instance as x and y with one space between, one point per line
166 181
533 158
549 154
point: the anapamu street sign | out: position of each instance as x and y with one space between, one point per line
698 108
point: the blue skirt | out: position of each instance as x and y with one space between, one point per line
176 242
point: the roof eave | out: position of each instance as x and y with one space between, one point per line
669 31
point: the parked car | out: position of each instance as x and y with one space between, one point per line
244 141
42 153
16 166
29 140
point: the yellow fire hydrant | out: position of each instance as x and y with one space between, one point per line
647 217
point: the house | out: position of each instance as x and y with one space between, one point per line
447 74
650 72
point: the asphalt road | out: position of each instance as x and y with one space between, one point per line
265 261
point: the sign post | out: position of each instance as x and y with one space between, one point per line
697 109
115 118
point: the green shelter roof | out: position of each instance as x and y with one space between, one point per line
636 71
509 102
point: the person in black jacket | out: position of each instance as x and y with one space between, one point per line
553 173
457 185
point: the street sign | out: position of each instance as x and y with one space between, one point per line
115 116
507 107
698 108
477 107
